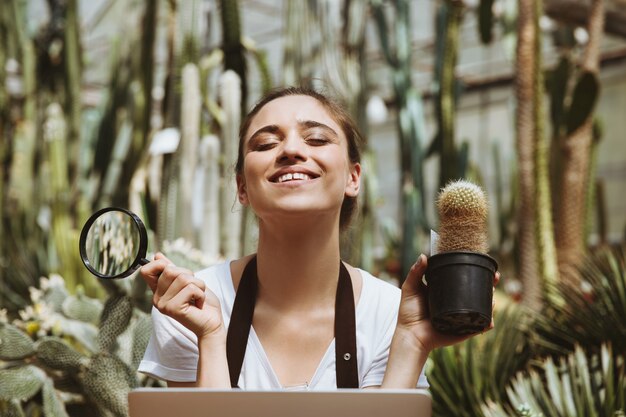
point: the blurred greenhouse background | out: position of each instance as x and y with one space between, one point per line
137 104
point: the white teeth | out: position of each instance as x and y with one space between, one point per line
294 176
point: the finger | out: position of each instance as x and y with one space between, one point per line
190 295
159 256
173 279
496 278
412 283
151 271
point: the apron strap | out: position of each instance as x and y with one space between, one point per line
346 367
241 321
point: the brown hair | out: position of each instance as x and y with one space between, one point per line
339 115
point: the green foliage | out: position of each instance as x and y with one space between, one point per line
462 377
591 314
565 361
572 386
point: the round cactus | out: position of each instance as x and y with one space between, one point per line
107 381
54 292
82 308
56 354
52 404
14 343
20 383
141 336
463 218
116 315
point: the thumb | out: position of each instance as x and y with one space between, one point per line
160 256
413 283
151 271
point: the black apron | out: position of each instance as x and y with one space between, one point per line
345 327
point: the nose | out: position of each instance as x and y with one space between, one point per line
293 147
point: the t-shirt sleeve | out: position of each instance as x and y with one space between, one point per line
374 376
388 301
172 352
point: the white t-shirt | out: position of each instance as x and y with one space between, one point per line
172 353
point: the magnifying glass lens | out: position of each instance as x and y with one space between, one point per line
113 243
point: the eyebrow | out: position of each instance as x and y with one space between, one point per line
264 129
307 124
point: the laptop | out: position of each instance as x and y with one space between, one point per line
160 402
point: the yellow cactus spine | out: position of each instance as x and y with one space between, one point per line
463 210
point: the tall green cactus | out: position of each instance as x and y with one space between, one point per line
411 127
234 58
449 20
231 209
577 152
210 234
546 247
73 78
64 235
188 148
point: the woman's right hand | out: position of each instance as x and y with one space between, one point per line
180 295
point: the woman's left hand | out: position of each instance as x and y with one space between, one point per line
413 316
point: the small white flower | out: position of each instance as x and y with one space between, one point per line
581 35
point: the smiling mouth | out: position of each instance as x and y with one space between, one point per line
296 176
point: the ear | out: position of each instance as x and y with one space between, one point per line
354 181
242 194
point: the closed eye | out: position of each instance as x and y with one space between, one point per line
264 146
317 141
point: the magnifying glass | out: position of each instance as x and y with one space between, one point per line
113 243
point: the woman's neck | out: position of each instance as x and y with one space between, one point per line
298 266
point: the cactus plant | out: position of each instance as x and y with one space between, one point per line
210 235
21 382
82 308
14 344
56 354
411 127
69 369
107 381
190 138
460 275
116 316
450 16
463 218
231 210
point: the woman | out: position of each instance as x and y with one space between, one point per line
275 311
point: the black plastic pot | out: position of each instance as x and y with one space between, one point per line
460 291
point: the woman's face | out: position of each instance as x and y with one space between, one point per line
296 161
